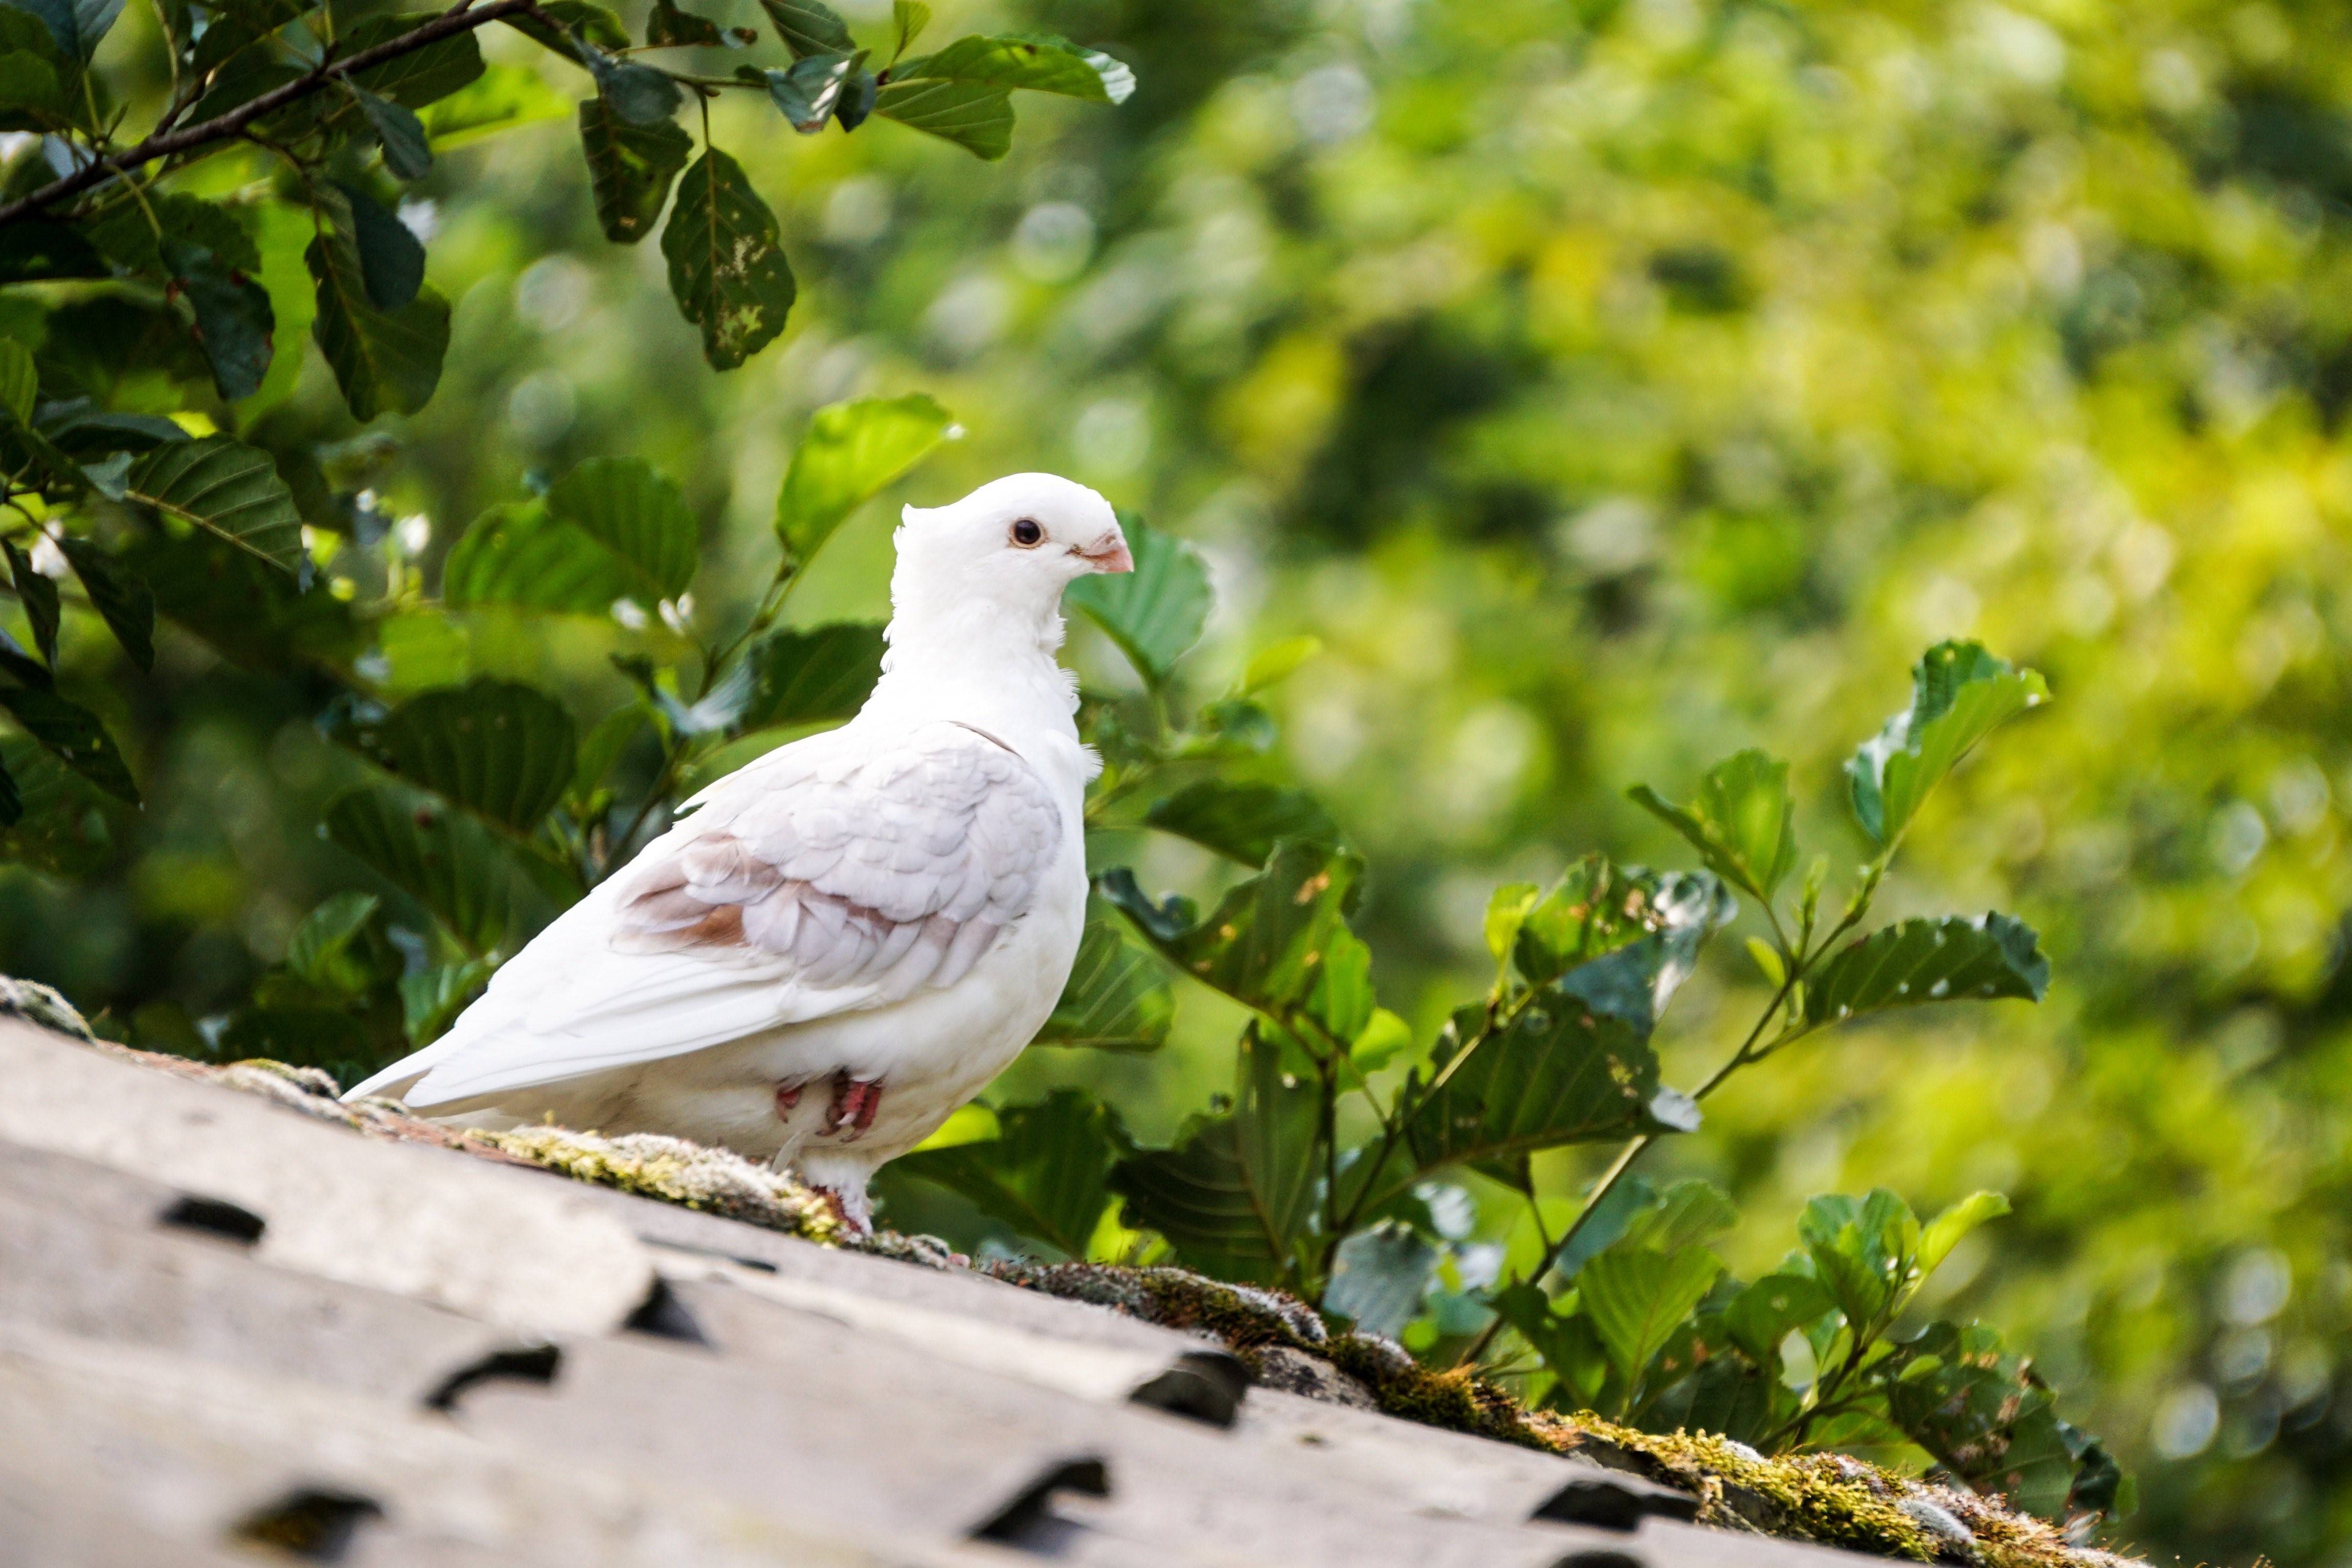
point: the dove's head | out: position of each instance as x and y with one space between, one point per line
1012 546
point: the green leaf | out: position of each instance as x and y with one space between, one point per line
519 554
1155 612
1242 822
807 27
1045 1172
398 132
1984 1416
1944 1232
1679 910
77 26
501 98
450 863
235 322
640 515
431 999
908 20
1743 823
63 821
1959 695
1506 910
810 676
808 93
421 77
381 359
392 262
119 594
637 93
668 27
501 751
852 451
226 488
1118 997
1768 1311
128 237
1690 1213
253 612
630 169
20 382
600 750
726 269
1865 1252
975 116
584 22
316 949
74 734
1381 1041
1378 1277
1637 1297
1235 1195
1277 943
31 95
39 596
1036 61
1914 962
1274 663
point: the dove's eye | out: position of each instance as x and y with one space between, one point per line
1027 534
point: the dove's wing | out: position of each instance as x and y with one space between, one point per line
846 871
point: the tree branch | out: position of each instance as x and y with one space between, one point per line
222 127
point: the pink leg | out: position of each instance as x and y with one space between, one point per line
855 1103
788 1096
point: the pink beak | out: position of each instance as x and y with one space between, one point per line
1109 554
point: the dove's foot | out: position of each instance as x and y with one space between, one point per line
788 1098
855 1102
853 1208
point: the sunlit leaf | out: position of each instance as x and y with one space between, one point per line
1155 612
502 98
1118 997
1742 822
519 554
1913 962
1241 820
1959 695
975 116
851 451
1984 1416
1038 62
1944 1232
1044 1174
809 676
1768 1311
808 92
1864 1251
640 515
1638 1296
226 488
38 597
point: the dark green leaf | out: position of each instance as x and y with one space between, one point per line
1984 1416
670 26
1241 820
637 92
1680 910
852 450
399 134
1959 695
12 804
316 950
630 169
253 612
450 863
431 999
20 665
1637 1297
1039 63
20 381
235 321
381 359
31 95
600 750
226 488
1236 1193
1155 612
856 102
1378 1277
421 76
392 262
32 249
519 554
640 515
588 23
77 26
807 94
63 826
134 243
74 734
808 27
501 751
1743 823
1916 961
38 595
1044 1173
1278 943
1865 1252
975 116
726 269
120 595
806 678
1118 997
1768 1311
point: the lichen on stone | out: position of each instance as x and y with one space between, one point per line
673 1170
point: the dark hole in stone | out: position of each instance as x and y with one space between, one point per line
1603 1559
1205 1385
1612 1504
1028 1523
527 1363
312 1523
214 1215
664 1316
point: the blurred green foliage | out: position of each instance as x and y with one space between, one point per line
1607 388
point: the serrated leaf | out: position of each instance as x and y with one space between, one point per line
975 116
1118 997
1155 612
908 20
810 676
1944 1232
519 554
807 27
76 25
851 451
1236 1193
1959 695
226 488
1378 1277
1036 61
398 132
1689 1213
630 169
1636 1297
808 92
75 736
1914 962
726 269
120 595
450 863
253 612
421 77
381 359
1743 822
1244 820
637 92
1044 1172
1277 943
1984 1416
640 515
39 596
1864 1251
670 27
20 382
502 750
1768 1311
235 325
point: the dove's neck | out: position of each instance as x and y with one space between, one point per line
972 663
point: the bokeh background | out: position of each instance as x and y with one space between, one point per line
1609 386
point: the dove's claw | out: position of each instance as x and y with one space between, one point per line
855 1102
856 1216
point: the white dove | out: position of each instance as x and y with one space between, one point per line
847 938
